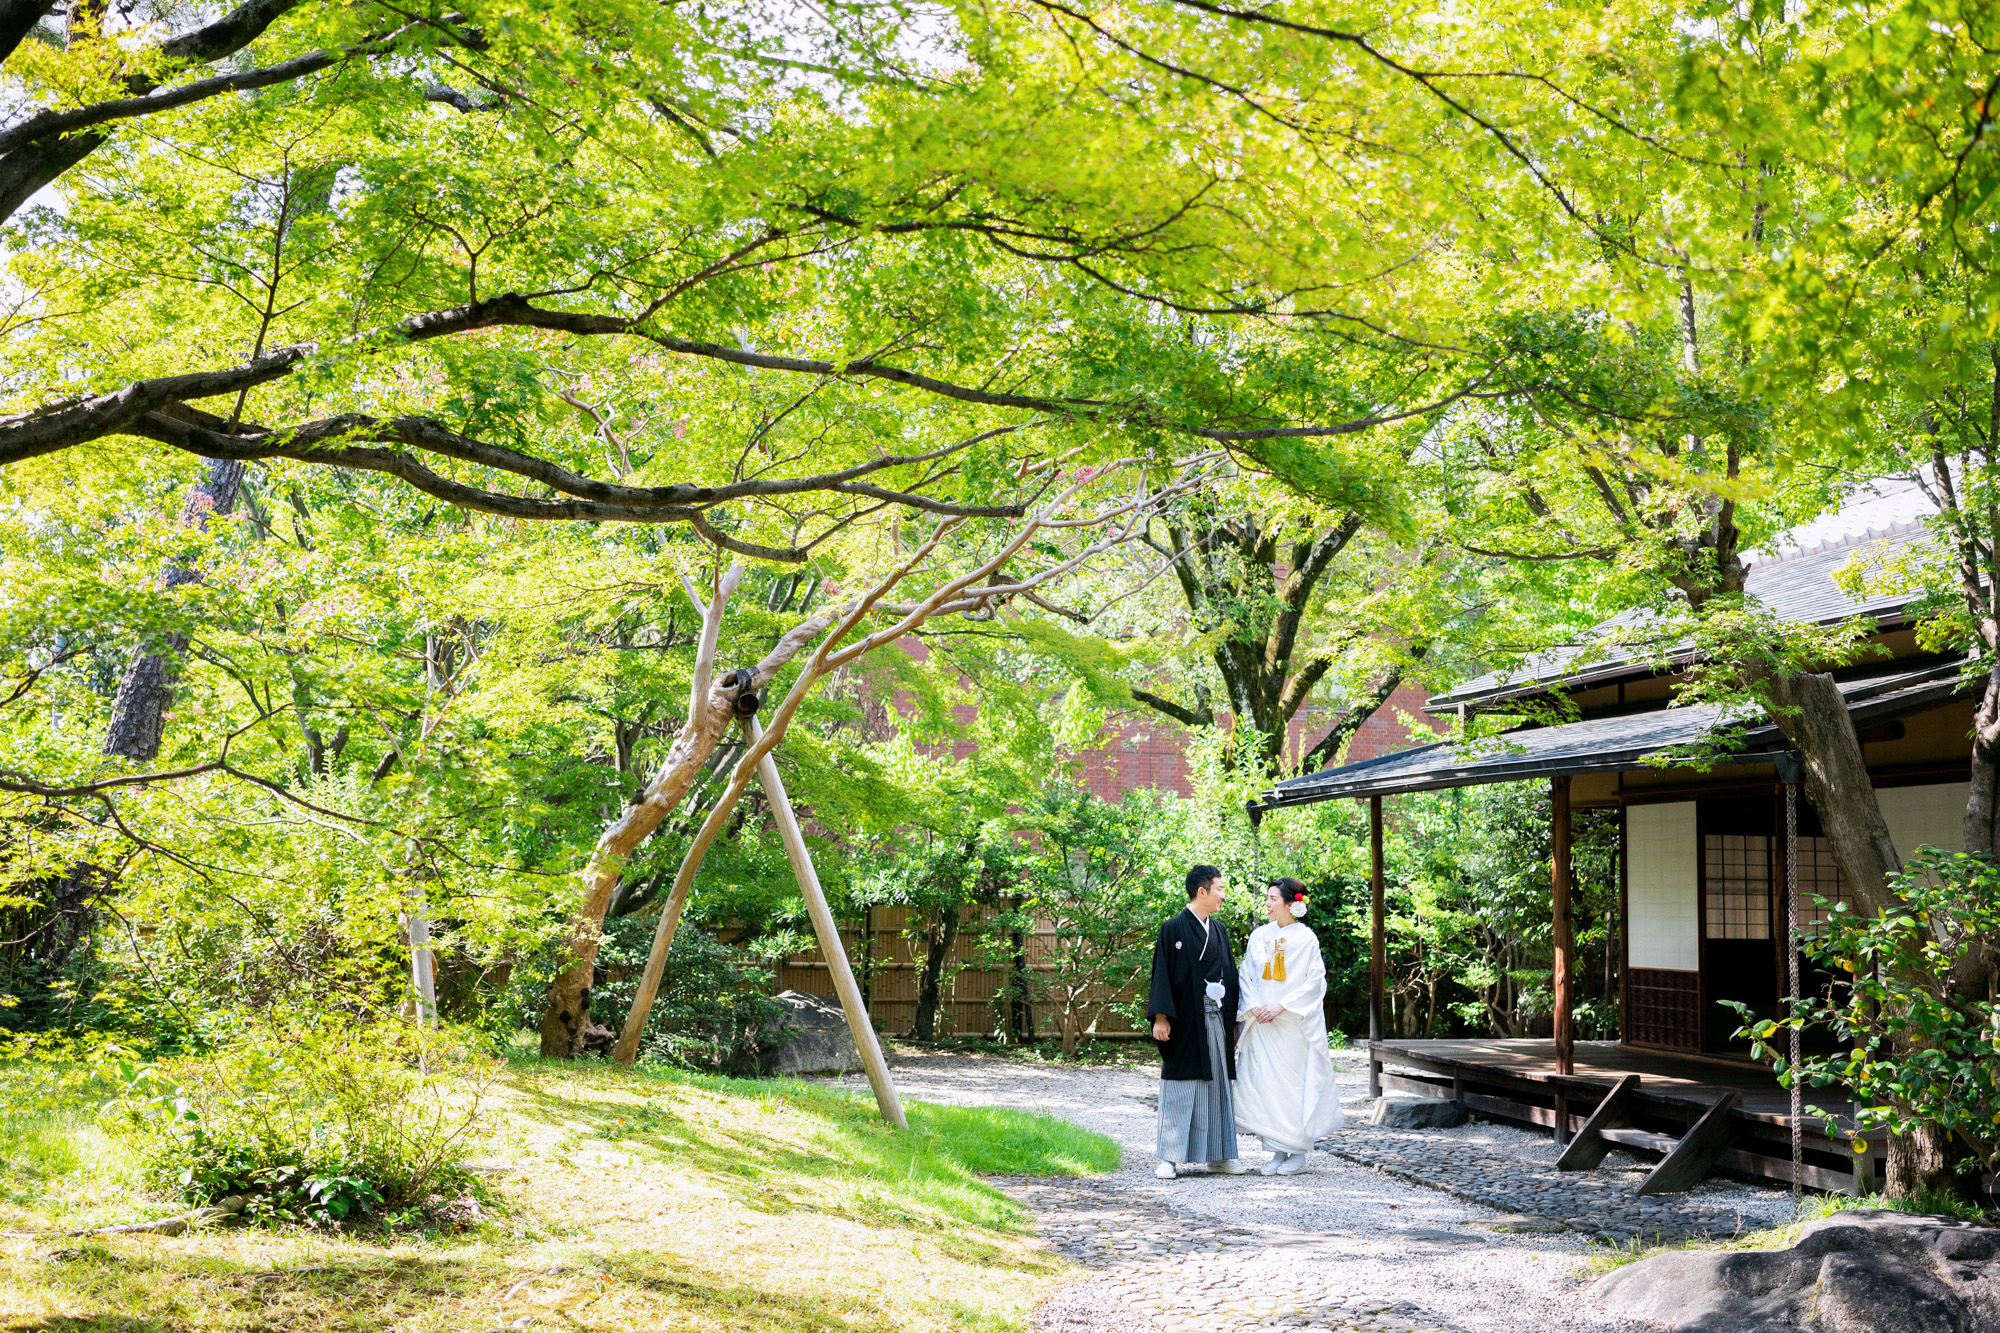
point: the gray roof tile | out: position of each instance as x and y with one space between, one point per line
1619 743
1795 587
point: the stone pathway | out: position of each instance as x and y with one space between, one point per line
1467 1230
1174 1271
1520 1178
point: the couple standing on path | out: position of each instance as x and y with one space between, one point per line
1201 1001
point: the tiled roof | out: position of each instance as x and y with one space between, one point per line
1796 586
1619 743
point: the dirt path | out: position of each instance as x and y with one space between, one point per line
1338 1247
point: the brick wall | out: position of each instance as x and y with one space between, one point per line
1142 751
1387 731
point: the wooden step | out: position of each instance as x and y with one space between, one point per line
1698 1150
1586 1151
1640 1138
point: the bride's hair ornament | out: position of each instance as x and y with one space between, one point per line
1291 893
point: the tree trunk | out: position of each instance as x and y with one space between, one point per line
1815 720
712 705
568 1008
1020 1004
138 711
1813 716
939 936
1919 1163
1982 805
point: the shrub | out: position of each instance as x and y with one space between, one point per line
313 1125
711 1012
1917 1048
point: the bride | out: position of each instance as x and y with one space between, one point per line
1284 1075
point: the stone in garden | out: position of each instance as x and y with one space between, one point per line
809 1036
1400 1112
1854 1272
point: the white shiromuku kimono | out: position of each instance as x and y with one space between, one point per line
1284 1075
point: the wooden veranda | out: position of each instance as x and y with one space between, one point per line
1665 1096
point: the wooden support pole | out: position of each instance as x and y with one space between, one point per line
828 931
1565 949
423 962
1378 952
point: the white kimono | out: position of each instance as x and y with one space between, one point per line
1284 1075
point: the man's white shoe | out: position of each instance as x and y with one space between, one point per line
1270 1168
1232 1167
1292 1165
1165 1171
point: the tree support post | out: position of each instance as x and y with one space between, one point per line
1378 953
1565 948
423 963
828 931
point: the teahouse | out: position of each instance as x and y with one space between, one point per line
1702 865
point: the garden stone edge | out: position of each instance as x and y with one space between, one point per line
1853 1272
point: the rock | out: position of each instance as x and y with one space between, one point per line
1399 1112
809 1036
597 1039
1854 1272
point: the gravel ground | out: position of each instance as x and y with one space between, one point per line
1339 1246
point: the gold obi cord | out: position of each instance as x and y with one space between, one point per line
1275 969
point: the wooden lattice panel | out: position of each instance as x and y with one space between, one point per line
1663 1008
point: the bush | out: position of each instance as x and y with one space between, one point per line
711 1012
319 1126
1916 1048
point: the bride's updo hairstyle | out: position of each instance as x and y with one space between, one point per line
1291 893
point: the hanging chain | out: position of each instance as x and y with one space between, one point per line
1792 972
1256 856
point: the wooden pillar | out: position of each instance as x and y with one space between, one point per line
828 931
1624 923
1378 953
1565 951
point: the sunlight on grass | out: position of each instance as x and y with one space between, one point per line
644 1200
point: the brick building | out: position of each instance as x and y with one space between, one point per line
1141 751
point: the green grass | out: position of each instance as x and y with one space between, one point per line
932 1172
1936 1203
57 1168
634 1201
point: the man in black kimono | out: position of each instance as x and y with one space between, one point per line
1193 1005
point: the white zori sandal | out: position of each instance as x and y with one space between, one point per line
1165 1171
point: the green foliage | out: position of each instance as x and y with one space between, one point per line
316 1124
711 1011
1467 920
1934 1202
1101 876
1918 1050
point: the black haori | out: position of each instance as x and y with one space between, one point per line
1187 956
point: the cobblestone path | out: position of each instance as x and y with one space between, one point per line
1603 1204
1386 1231
1168 1270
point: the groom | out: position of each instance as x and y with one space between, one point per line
1193 1007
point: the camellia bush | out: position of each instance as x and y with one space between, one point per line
1917 1047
